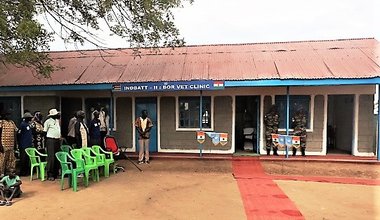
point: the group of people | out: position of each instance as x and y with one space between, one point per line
299 125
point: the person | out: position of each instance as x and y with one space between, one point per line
71 130
143 126
81 131
8 141
10 188
38 133
52 129
103 118
95 130
271 121
299 123
25 141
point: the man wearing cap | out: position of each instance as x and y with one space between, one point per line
26 140
53 142
8 131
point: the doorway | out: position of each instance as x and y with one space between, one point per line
247 124
340 124
149 104
68 107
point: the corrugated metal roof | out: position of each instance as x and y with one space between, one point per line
333 59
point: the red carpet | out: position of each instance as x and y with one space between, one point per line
262 198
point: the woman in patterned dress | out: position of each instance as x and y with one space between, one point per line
8 131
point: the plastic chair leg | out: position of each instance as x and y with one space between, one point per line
42 172
31 173
107 170
62 179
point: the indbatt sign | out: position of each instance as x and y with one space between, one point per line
169 86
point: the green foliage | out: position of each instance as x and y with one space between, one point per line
25 41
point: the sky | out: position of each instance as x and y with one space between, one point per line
254 21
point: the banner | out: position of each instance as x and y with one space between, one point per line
201 136
275 139
223 138
281 141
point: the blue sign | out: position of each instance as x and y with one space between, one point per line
169 86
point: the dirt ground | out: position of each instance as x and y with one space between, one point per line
354 170
195 189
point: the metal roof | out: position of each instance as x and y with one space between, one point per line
305 60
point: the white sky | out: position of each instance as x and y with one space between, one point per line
251 21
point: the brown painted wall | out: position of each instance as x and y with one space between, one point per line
41 103
172 139
315 138
367 124
124 124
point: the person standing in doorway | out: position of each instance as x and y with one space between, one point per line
71 130
299 123
8 141
271 121
104 122
143 126
53 141
95 130
81 131
26 140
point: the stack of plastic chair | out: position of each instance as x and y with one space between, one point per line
89 164
108 159
67 168
35 161
66 148
99 158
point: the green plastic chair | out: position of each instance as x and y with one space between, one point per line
89 164
100 158
35 161
68 169
108 159
66 148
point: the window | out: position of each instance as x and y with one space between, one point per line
93 104
188 114
295 102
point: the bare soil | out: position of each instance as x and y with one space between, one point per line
195 189
353 170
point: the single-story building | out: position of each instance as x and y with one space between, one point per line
234 85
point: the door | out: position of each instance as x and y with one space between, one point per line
150 105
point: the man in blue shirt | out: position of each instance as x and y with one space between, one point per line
10 188
25 141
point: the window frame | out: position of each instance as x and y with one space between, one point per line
311 112
194 129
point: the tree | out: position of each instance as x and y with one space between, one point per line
25 41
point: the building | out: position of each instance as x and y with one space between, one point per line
335 81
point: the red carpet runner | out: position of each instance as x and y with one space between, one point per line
262 198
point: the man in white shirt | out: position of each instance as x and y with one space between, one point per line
53 141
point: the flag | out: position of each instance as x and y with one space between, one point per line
275 139
116 87
218 84
201 136
223 138
288 140
296 141
215 139
281 141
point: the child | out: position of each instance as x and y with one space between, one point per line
10 188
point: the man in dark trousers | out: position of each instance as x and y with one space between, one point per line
299 123
143 126
271 121
53 142
25 141
95 138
